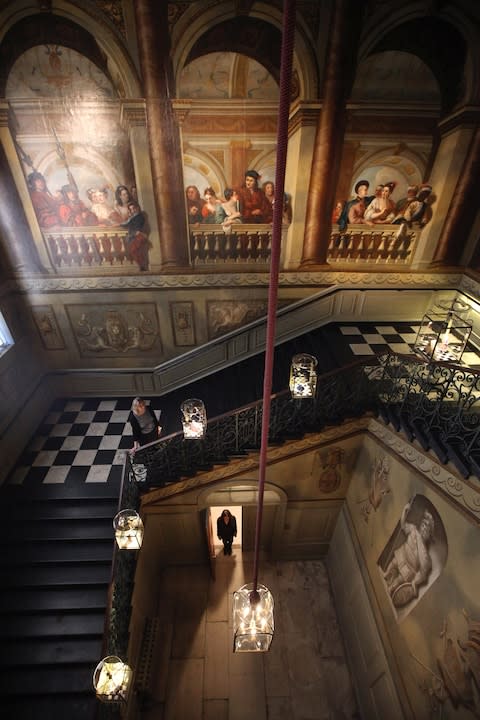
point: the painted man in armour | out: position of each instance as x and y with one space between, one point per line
411 562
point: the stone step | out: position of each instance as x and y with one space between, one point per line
51 551
61 510
16 602
79 491
38 625
47 681
64 529
74 706
29 652
54 575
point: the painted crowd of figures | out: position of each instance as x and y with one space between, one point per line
248 203
65 209
381 208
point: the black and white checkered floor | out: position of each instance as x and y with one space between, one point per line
85 440
371 339
80 440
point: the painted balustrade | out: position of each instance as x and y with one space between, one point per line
242 243
239 244
358 244
88 247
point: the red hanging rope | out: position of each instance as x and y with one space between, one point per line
288 34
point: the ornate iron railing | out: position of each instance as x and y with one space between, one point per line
436 403
118 613
340 395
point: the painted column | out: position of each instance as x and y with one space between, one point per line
239 160
154 45
302 126
18 222
133 119
463 208
340 61
453 181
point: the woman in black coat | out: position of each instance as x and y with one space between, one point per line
144 422
227 530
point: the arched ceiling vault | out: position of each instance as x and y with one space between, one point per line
51 29
439 45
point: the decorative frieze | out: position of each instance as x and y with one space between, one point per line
385 280
460 491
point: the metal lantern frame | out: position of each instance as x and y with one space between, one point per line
111 680
129 530
444 332
194 419
303 376
253 623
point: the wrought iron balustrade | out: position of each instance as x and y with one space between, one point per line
436 403
340 395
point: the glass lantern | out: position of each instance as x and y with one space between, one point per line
111 680
253 625
444 332
128 528
303 376
194 419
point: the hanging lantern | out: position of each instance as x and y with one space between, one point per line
111 680
128 528
444 332
253 624
303 376
194 419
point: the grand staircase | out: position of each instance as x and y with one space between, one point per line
57 559
58 540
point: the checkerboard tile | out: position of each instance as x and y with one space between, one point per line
78 441
361 349
367 339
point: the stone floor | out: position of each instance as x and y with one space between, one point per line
304 676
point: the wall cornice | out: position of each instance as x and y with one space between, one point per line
461 492
398 280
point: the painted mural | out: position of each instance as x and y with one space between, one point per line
328 468
223 316
414 556
380 486
227 315
455 677
48 328
77 162
421 562
411 207
124 329
221 74
248 203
